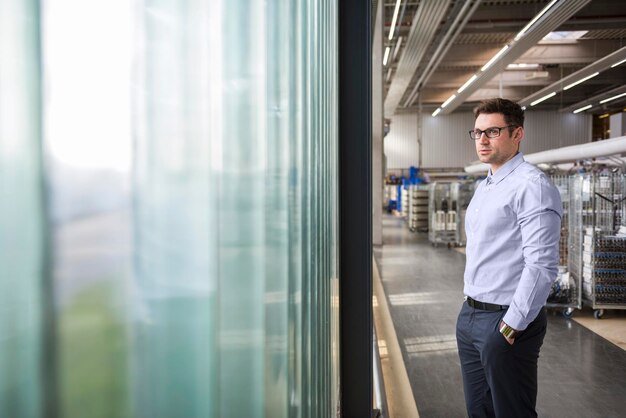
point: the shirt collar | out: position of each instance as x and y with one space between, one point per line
506 169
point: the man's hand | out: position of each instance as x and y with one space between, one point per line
507 332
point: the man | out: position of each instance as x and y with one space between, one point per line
513 227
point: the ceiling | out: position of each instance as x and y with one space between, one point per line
438 45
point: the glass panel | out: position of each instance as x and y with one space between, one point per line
235 216
21 211
87 130
199 277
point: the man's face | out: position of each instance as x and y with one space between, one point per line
496 151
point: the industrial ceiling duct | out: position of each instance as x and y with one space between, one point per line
425 24
578 152
552 19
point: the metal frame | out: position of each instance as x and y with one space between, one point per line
572 291
355 207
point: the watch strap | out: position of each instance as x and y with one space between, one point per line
508 331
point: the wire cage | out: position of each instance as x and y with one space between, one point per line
597 239
565 292
461 193
447 206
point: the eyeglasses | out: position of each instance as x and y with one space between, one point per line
492 132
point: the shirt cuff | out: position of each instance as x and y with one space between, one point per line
516 321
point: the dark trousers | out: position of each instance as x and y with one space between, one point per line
499 379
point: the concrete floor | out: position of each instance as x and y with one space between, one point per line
581 374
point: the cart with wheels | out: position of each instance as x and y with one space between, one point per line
442 218
418 207
599 205
565 294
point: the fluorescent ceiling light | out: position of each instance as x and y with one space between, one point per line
436 112
532 22
386 56
522 66
582 108
495 57
612 98
543 98
393 21
448 101
523 107
606 115
467 83
580 81
618 63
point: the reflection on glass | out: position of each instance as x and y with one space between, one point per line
235 218
87 129
199 277
21 212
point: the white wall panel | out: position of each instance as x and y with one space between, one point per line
446 140
446 143
401 147
548 130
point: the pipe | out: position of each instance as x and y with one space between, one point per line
572 153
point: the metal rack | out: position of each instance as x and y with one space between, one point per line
598 239
447 205
442 223
404 202
461 193
565 292
418 207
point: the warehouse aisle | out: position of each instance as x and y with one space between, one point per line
580 373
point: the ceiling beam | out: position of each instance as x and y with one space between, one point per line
425 24
595 100
596 67
452 31
581 52
553 18
531 77
436 96
584 23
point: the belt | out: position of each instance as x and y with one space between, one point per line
484 306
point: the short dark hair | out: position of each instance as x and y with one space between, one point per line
513 113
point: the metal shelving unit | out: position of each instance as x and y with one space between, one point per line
598 239
461 193
418 207
404 206
446 210
566 292
442 222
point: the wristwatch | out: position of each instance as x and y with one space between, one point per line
508 331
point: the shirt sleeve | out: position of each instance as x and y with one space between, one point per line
539 211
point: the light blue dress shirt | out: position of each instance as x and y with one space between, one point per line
513 228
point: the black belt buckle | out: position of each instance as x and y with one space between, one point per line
484 306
